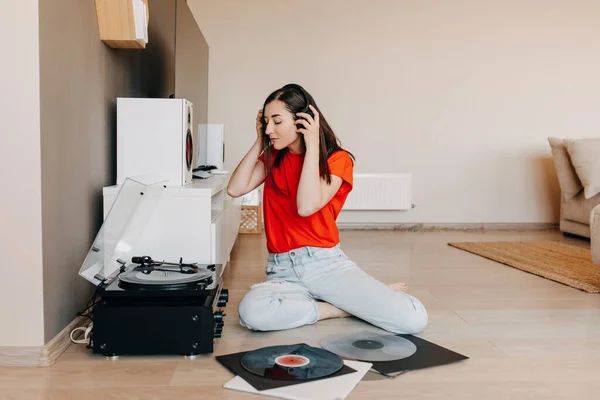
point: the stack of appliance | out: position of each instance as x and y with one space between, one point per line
142 305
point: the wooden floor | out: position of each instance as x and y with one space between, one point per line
527 337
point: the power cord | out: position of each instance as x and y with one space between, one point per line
86 313
86 336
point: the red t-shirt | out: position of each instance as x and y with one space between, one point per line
285 229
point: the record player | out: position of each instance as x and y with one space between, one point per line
147 306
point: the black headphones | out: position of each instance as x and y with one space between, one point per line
305 96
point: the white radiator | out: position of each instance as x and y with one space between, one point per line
380 192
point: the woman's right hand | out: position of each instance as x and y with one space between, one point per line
259 125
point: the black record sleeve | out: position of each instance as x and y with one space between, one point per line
428 355
233 363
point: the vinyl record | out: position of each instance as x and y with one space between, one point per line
292 362
370 346
161 279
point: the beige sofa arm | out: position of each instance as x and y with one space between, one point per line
595 234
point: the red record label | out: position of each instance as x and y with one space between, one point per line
292 361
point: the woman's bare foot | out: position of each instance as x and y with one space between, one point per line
401 286
327 310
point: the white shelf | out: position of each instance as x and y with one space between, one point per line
198 222
198 188
214 214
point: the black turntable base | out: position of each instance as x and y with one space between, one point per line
160 308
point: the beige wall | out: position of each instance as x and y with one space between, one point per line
463 94
191 63
20 197
58 127
80 79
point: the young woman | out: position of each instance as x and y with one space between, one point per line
307 177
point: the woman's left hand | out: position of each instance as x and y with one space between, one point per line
311 125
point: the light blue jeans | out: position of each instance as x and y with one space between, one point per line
298 279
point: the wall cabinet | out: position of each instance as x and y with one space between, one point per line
123 24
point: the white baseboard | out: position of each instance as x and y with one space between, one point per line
40 356
421 227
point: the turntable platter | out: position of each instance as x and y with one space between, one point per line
161 279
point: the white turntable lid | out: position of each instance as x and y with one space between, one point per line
134 205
